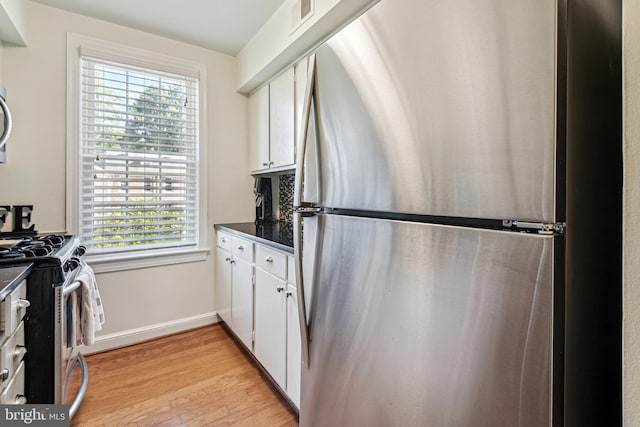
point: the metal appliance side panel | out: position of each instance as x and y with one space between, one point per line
441 108
415 324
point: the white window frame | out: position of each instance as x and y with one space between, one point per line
107 50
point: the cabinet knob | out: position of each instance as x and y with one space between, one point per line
223 240
241 248
268 259
4 374
227 259
280 288
232 262
265 164
19 352
288 294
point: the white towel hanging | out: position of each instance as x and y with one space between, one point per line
91 312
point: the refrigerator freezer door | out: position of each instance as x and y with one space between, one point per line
425 325
441 108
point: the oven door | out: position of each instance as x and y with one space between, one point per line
73 374
5 123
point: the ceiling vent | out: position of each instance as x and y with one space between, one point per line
300 12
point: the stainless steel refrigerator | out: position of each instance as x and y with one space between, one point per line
458 216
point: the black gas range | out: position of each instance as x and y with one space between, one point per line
60 251
56 260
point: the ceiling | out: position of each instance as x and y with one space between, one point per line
221 25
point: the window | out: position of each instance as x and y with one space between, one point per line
136 150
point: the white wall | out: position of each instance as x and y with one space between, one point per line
631 17
35 77
13 21
276 45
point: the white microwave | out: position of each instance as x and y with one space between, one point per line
5 124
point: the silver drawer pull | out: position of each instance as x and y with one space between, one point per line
23 303
20 399
269 259
280 288
241 248
19 352
4 375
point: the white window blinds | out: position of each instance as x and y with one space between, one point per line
139 149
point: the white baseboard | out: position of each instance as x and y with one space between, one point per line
136 335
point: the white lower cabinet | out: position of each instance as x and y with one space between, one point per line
294 352
234 285
256 297
242 301
223 285
270 325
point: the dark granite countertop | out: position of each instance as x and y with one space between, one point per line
276 234
11 276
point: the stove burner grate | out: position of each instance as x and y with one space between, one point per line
32 246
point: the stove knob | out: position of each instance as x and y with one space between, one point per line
80 250
72 264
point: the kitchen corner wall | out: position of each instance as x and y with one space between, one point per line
277 44
631 309
137 302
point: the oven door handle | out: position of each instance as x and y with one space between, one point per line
7 122
83 385
66 291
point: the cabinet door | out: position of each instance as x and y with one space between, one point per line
300 88
259 129
271 324
294 357
281 119
242 301
223 285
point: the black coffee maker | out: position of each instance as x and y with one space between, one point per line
264 206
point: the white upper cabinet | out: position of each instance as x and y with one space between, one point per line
259 129
281 119
301 73
272 124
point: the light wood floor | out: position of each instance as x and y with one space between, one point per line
196 378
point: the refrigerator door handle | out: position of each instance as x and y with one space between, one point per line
300 208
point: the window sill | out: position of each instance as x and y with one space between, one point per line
120 262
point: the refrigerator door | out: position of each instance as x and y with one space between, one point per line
424 325
441 108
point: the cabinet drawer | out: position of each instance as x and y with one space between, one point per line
13 308
271 261
242 249
223 241
14 392
291 270
12 352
